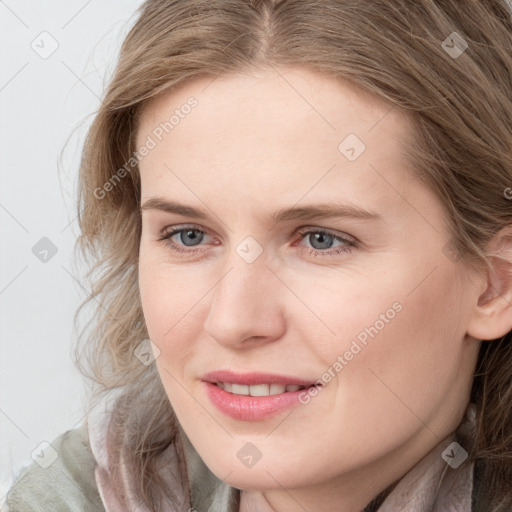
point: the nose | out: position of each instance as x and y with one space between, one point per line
247 308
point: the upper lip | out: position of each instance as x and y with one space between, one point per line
253 378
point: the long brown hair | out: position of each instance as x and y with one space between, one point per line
460 105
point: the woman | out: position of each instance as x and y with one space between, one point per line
301 222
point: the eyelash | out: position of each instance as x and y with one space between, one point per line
348 247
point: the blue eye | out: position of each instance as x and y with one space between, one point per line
187 234
326 238
321 241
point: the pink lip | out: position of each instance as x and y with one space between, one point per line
251 408
253 378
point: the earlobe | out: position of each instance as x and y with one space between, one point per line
492 317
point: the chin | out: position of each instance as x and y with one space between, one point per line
251 479
274 473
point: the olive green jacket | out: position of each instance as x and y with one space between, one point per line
69 485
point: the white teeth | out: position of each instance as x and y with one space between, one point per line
240 389
258 389
276 389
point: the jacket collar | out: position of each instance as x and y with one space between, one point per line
435 484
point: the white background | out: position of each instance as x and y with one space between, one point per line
43 102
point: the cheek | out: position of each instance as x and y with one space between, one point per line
169 308
406 367
341 310
168 302
169 293
175 304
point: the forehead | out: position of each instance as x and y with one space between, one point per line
322 105
273 131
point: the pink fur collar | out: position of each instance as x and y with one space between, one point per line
432 485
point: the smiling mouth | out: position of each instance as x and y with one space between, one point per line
258 389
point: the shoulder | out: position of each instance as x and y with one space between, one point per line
67 484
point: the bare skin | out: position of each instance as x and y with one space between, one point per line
253 145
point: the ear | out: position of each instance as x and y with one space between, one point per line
492 316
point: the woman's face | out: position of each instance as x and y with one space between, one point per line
317 257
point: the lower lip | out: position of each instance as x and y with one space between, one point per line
251 408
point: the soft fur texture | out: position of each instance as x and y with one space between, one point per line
416 491
79 480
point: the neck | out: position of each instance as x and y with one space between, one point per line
361 490
257 501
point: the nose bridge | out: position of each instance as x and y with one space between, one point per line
247 269
245 303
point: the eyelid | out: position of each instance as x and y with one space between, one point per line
300 230
181 227
350 241
336 234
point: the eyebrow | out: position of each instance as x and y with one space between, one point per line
309 212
